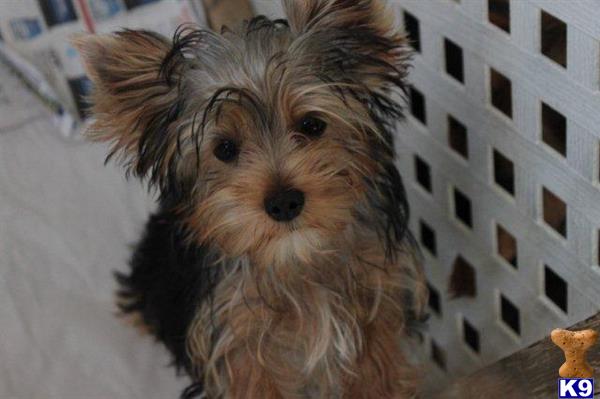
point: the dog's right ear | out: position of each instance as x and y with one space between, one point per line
135 102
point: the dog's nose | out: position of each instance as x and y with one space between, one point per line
285 205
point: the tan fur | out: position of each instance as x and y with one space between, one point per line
134 319
310 325
306 15
128 89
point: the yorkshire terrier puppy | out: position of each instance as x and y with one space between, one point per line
278 264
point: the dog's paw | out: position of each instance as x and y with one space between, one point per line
130 317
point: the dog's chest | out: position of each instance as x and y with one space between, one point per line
304 338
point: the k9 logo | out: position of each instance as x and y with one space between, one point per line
575 388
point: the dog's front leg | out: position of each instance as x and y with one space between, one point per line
249 379
382 371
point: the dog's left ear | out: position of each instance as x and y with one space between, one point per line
314 15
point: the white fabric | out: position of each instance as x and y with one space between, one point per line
66 223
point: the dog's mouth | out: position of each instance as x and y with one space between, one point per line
297 244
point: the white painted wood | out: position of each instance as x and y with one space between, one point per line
573 92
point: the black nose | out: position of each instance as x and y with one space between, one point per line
284 206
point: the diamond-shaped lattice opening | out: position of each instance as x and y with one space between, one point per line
499 14
417 105
554 129
435 302
453 54
462 208
501 92
427 236
458 138
462 279
554 39
510 315
504 172
555 212
413 29
555 288
506 245
471 336
423 173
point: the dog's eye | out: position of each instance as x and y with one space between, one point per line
312 126
226 150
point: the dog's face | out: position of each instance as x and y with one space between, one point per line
273 142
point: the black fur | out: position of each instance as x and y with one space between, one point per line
167 282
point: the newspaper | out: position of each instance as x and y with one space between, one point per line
34 45
23 91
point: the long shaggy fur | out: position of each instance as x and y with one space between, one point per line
251 307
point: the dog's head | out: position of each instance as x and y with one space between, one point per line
274 141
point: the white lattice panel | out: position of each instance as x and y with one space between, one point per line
572 95
567 167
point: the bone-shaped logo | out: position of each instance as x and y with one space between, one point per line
575 345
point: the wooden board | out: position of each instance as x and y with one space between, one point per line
529 373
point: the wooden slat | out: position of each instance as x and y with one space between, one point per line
228 13
529 373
